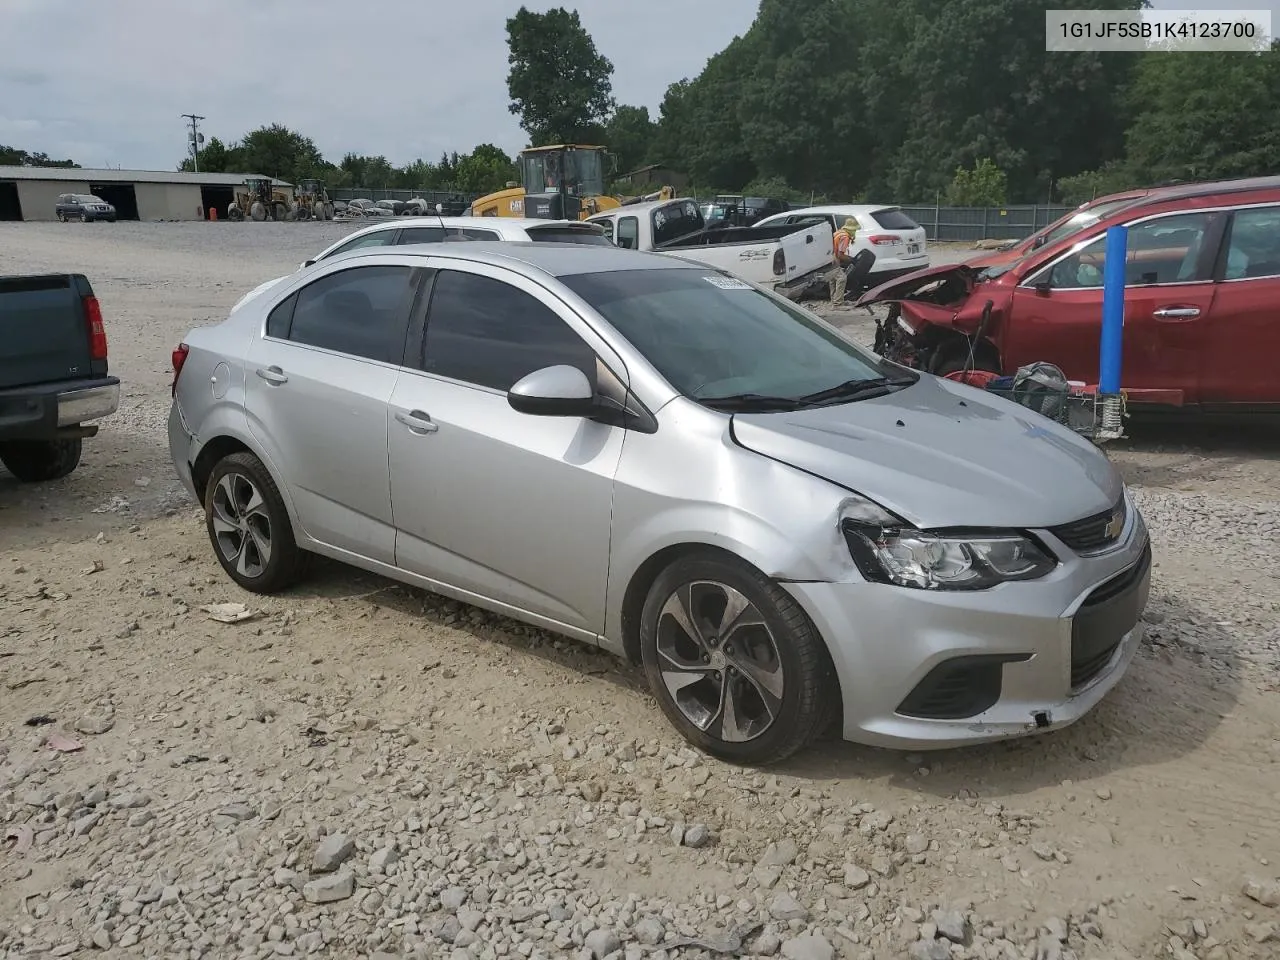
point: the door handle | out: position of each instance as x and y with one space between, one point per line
1177 313
417 421
273 375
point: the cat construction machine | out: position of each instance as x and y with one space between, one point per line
564 181
311 201
258 201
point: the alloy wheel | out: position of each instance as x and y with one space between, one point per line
719 661
241 525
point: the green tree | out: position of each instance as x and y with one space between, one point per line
13 157
560 84
215 157
277 151
486 169
629 135
982 185
1201 117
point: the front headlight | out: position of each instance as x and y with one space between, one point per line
898 554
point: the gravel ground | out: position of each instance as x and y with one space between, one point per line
365 770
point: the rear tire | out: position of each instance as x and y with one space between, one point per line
62 217
766 659
39 461
282 212
249 526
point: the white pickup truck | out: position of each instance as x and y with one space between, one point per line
787 257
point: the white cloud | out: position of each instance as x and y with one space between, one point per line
107 81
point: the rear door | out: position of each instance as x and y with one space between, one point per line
317 387
1243 331
1056 312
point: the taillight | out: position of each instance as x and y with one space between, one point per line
97 332
883 239
779 262
179 358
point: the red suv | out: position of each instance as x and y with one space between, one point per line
1202 301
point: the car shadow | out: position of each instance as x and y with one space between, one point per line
1170 702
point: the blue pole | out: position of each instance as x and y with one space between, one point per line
1112 312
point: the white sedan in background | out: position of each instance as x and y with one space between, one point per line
406 230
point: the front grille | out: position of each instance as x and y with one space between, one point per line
1096 532
1110 611
959 688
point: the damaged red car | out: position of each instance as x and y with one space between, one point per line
1202 302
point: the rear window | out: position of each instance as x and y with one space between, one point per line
894 219
568 235
676 220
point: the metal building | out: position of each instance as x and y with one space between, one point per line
30 193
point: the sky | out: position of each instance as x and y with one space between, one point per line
105 82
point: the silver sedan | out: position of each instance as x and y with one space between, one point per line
786 531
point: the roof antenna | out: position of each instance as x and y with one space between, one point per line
444 231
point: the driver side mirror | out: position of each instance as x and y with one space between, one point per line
559 391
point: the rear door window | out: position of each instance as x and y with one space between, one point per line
676 220
894 219
363 312
1254 248
607 227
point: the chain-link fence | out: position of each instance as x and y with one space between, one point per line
971 224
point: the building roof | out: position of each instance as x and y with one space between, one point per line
129 176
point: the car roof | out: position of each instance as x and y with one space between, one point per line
554 259
1206 188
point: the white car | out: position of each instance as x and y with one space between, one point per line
897 241
406 230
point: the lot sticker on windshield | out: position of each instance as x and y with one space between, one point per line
728 283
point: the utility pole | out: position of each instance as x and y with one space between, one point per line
195 139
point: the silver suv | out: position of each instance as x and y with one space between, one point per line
650 455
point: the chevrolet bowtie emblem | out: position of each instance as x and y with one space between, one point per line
1115 525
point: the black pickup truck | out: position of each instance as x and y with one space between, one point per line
53 373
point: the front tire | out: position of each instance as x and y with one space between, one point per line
734 662
38 461
958 357
249 526
84 218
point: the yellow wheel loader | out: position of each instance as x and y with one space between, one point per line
312 201
257 201
560 182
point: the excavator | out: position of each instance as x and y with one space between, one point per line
560 182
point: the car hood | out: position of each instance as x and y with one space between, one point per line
903 287
941 454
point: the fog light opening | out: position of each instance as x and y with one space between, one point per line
1042 719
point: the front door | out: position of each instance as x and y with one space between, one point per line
1056 310
1238 363
317 387
512 507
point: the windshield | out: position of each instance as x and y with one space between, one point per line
87 198
1082 219
581 171
713 336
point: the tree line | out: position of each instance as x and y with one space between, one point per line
909 101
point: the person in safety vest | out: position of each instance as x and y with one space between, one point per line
841 256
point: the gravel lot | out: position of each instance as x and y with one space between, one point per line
365 770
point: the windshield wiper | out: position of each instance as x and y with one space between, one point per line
752 403
856 390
